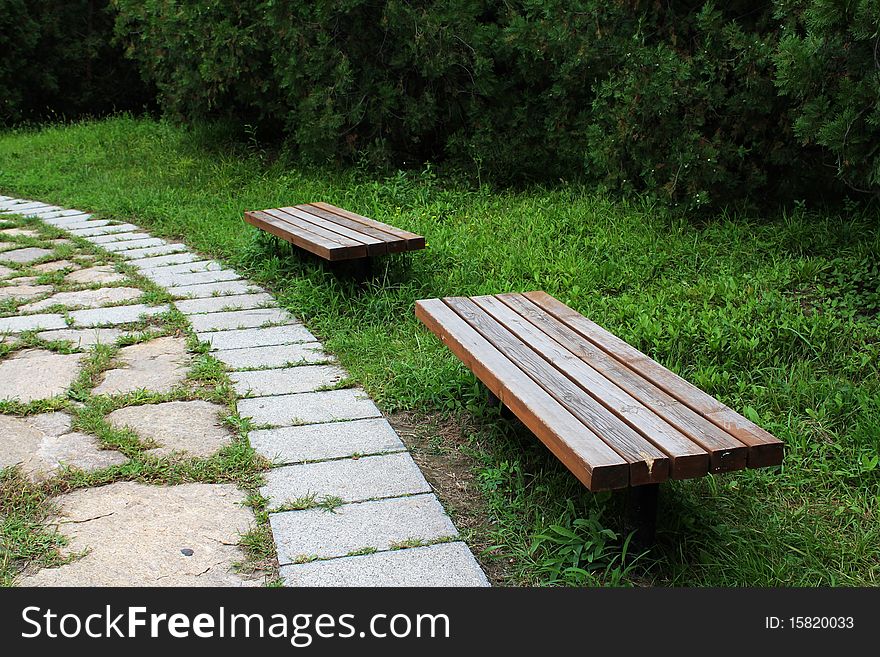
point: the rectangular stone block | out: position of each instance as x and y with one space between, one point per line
115 315
273 356
182 268
286 380
78 225
149 251
214 290
252 337
309 407
163 260
442 565
100 231
352 480
240 319
378 524
119 237
31 322
181 280
61 219
316 442
225 303
128 245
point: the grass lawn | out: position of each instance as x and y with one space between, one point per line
777 316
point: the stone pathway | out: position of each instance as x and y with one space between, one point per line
348 505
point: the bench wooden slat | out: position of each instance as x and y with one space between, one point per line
687 459
304 238
302 224
726 453
413 241
374 246
393 243
764 448
648 465
595 464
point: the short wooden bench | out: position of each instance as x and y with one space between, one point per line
612 415
333 233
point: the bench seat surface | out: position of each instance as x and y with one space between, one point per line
333 233
611 414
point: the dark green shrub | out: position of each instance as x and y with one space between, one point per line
57 59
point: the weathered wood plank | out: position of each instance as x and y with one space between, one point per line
595 464
303 238
394 244
374 246
413 241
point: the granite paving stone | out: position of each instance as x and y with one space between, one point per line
119 237
309 407
182 268
240 319
134 244
315 442
33 374
352 480
214 290
83 338
20 232
250 337
86 298
26 255
178 280
442 565
101 230
150 251
5 271
287 380
114 315
163 260
158 365
77 224
55 265
98 274
273 356
31 322
23 291
379 524
224 303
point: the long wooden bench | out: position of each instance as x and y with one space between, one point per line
333 233
612 415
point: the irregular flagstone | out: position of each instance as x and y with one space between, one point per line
163 260
443 565
352 480
179 280
379 524
140 535
288 380
182 268
251 337
192 428
214 290
61 241
273 356
42 444
25 255
134 244
24 291
158 365
239 319
115 315
31 322
7 245
309 407
5 271
86 298
97 274
55 265
149 251
94 231
315 442
34 374
23 232
226 303
83 338
118 237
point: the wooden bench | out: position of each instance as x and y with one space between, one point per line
614 417
333 233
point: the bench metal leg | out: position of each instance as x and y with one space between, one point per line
360 269
642 515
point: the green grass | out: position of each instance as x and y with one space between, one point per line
777 316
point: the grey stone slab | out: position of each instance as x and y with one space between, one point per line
5 271
114 316
379 525
273 356
286 380
251 337
18 232
352 480
224 303
128 245
78 224
98 274
129 236
309 407
150 251
182 268
133 534
443 565
55 265
23 291
101 230
85 298
214 290
316 442
163 260
62 217
25 209
31 322
25 255
241 319
158 365
82 338
34 374
182 280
